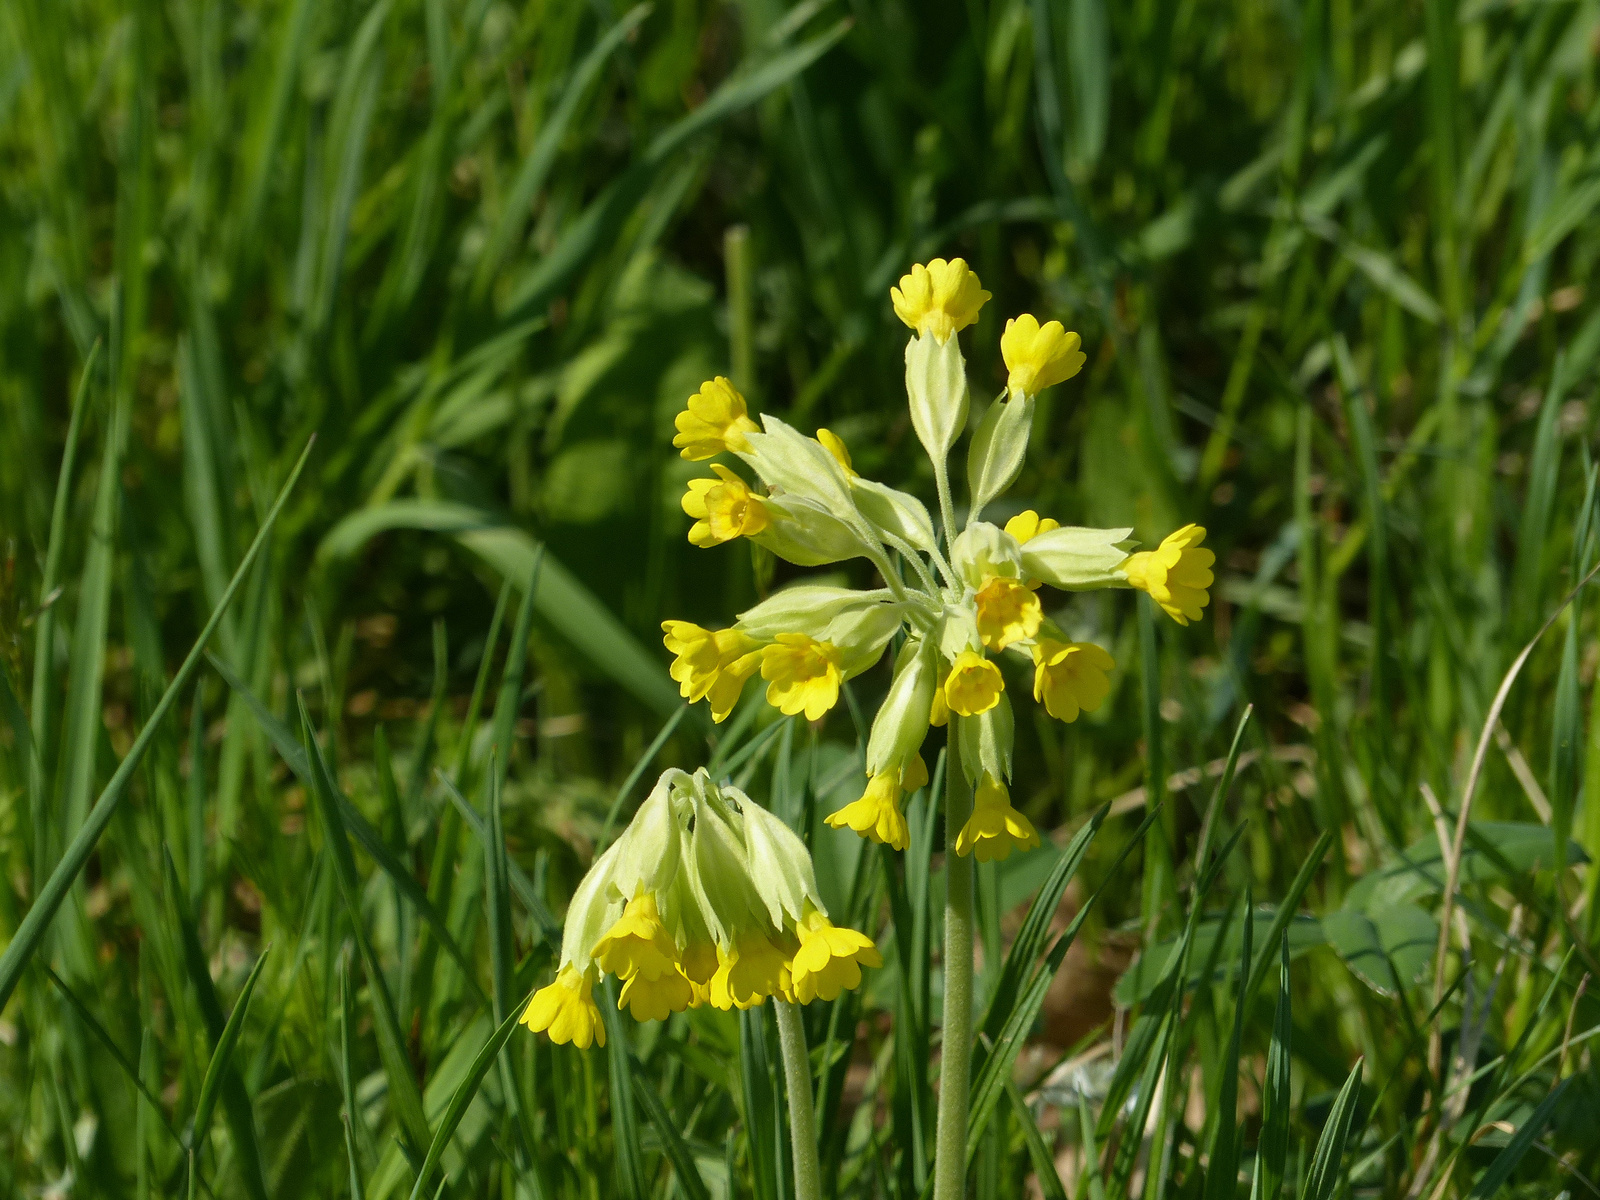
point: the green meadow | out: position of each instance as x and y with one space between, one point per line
341 344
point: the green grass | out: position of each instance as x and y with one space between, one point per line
1333 263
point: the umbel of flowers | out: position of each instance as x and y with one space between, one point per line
962 597
705 898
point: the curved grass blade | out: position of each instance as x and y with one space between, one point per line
1323 1181
1044 1166
15 958
44 632
683 1164
405 1097
99 1031
624 1116
222 1056
294 757
465 1091
1506 1161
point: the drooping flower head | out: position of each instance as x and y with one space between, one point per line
953 599
705 898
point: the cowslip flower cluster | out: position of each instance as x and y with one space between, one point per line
706 897
961 600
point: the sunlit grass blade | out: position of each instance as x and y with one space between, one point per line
466 1091
294 756
1323 1180
221 1061
15 958
631 1181
117 1056
405 1098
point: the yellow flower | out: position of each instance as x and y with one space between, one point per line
715 420
939 298
995 828
802 675
749 971
1176 574
914 776
939 712
723 509
836 447
657 999
566 1010
699 965
1069 677
877 815
1027 525
638 944
1008 611
829 959
711 665
1039 357
974 684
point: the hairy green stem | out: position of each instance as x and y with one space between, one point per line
802 1117
947 513
950 1154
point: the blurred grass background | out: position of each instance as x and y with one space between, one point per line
1333 262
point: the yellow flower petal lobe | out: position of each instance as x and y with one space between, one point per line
802 674
1177 574
566 1010
940 298
973 685
1008 611
995 828
715 420
1039 356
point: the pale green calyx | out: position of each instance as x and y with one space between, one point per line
995 458
902 721
986 743
1075 558
983 551
779 864
936 386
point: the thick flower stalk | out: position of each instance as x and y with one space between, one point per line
961 601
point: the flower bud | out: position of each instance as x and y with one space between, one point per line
894 512
1076 559
902 722
936 386
994 460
